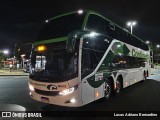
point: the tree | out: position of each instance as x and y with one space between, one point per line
2 57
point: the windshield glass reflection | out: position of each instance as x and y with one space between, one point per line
54 64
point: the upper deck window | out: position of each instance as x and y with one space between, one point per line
96 23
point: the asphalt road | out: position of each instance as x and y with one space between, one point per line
143 96
14 90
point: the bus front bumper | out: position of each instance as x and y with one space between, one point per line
70 100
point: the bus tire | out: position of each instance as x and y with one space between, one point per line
107 89
144 75
118 85
147 73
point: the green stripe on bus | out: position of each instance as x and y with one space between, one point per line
51 40
65 14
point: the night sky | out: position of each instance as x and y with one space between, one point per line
20 21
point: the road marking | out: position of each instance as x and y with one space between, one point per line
21 77
9 77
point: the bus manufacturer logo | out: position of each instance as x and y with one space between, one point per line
62 86
52 87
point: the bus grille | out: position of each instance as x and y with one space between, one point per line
47 93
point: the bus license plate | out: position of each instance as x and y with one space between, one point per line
45 99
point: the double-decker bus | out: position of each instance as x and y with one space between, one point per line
81 56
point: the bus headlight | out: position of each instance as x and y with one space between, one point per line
67 91
31 87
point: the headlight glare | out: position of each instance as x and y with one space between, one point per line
31 87
67 91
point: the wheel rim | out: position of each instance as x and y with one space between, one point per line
107 90
118 84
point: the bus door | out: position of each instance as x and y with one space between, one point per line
87 92
86 70
93 88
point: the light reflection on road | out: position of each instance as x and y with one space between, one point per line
155 75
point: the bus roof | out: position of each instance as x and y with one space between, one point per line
88 12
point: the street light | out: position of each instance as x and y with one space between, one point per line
131 24
151 50
158 46
6 52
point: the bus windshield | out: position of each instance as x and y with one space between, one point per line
61 26
54 64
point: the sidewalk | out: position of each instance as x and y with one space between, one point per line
6 72
155 71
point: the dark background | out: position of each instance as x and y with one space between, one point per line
20 21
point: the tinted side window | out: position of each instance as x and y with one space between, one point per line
90 59
128 38
119 62
98 43
126 62
96 23
145 46
111 30
123 35
133 41
132 62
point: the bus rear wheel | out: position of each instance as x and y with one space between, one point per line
144 75
107 90
147 73
118 85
